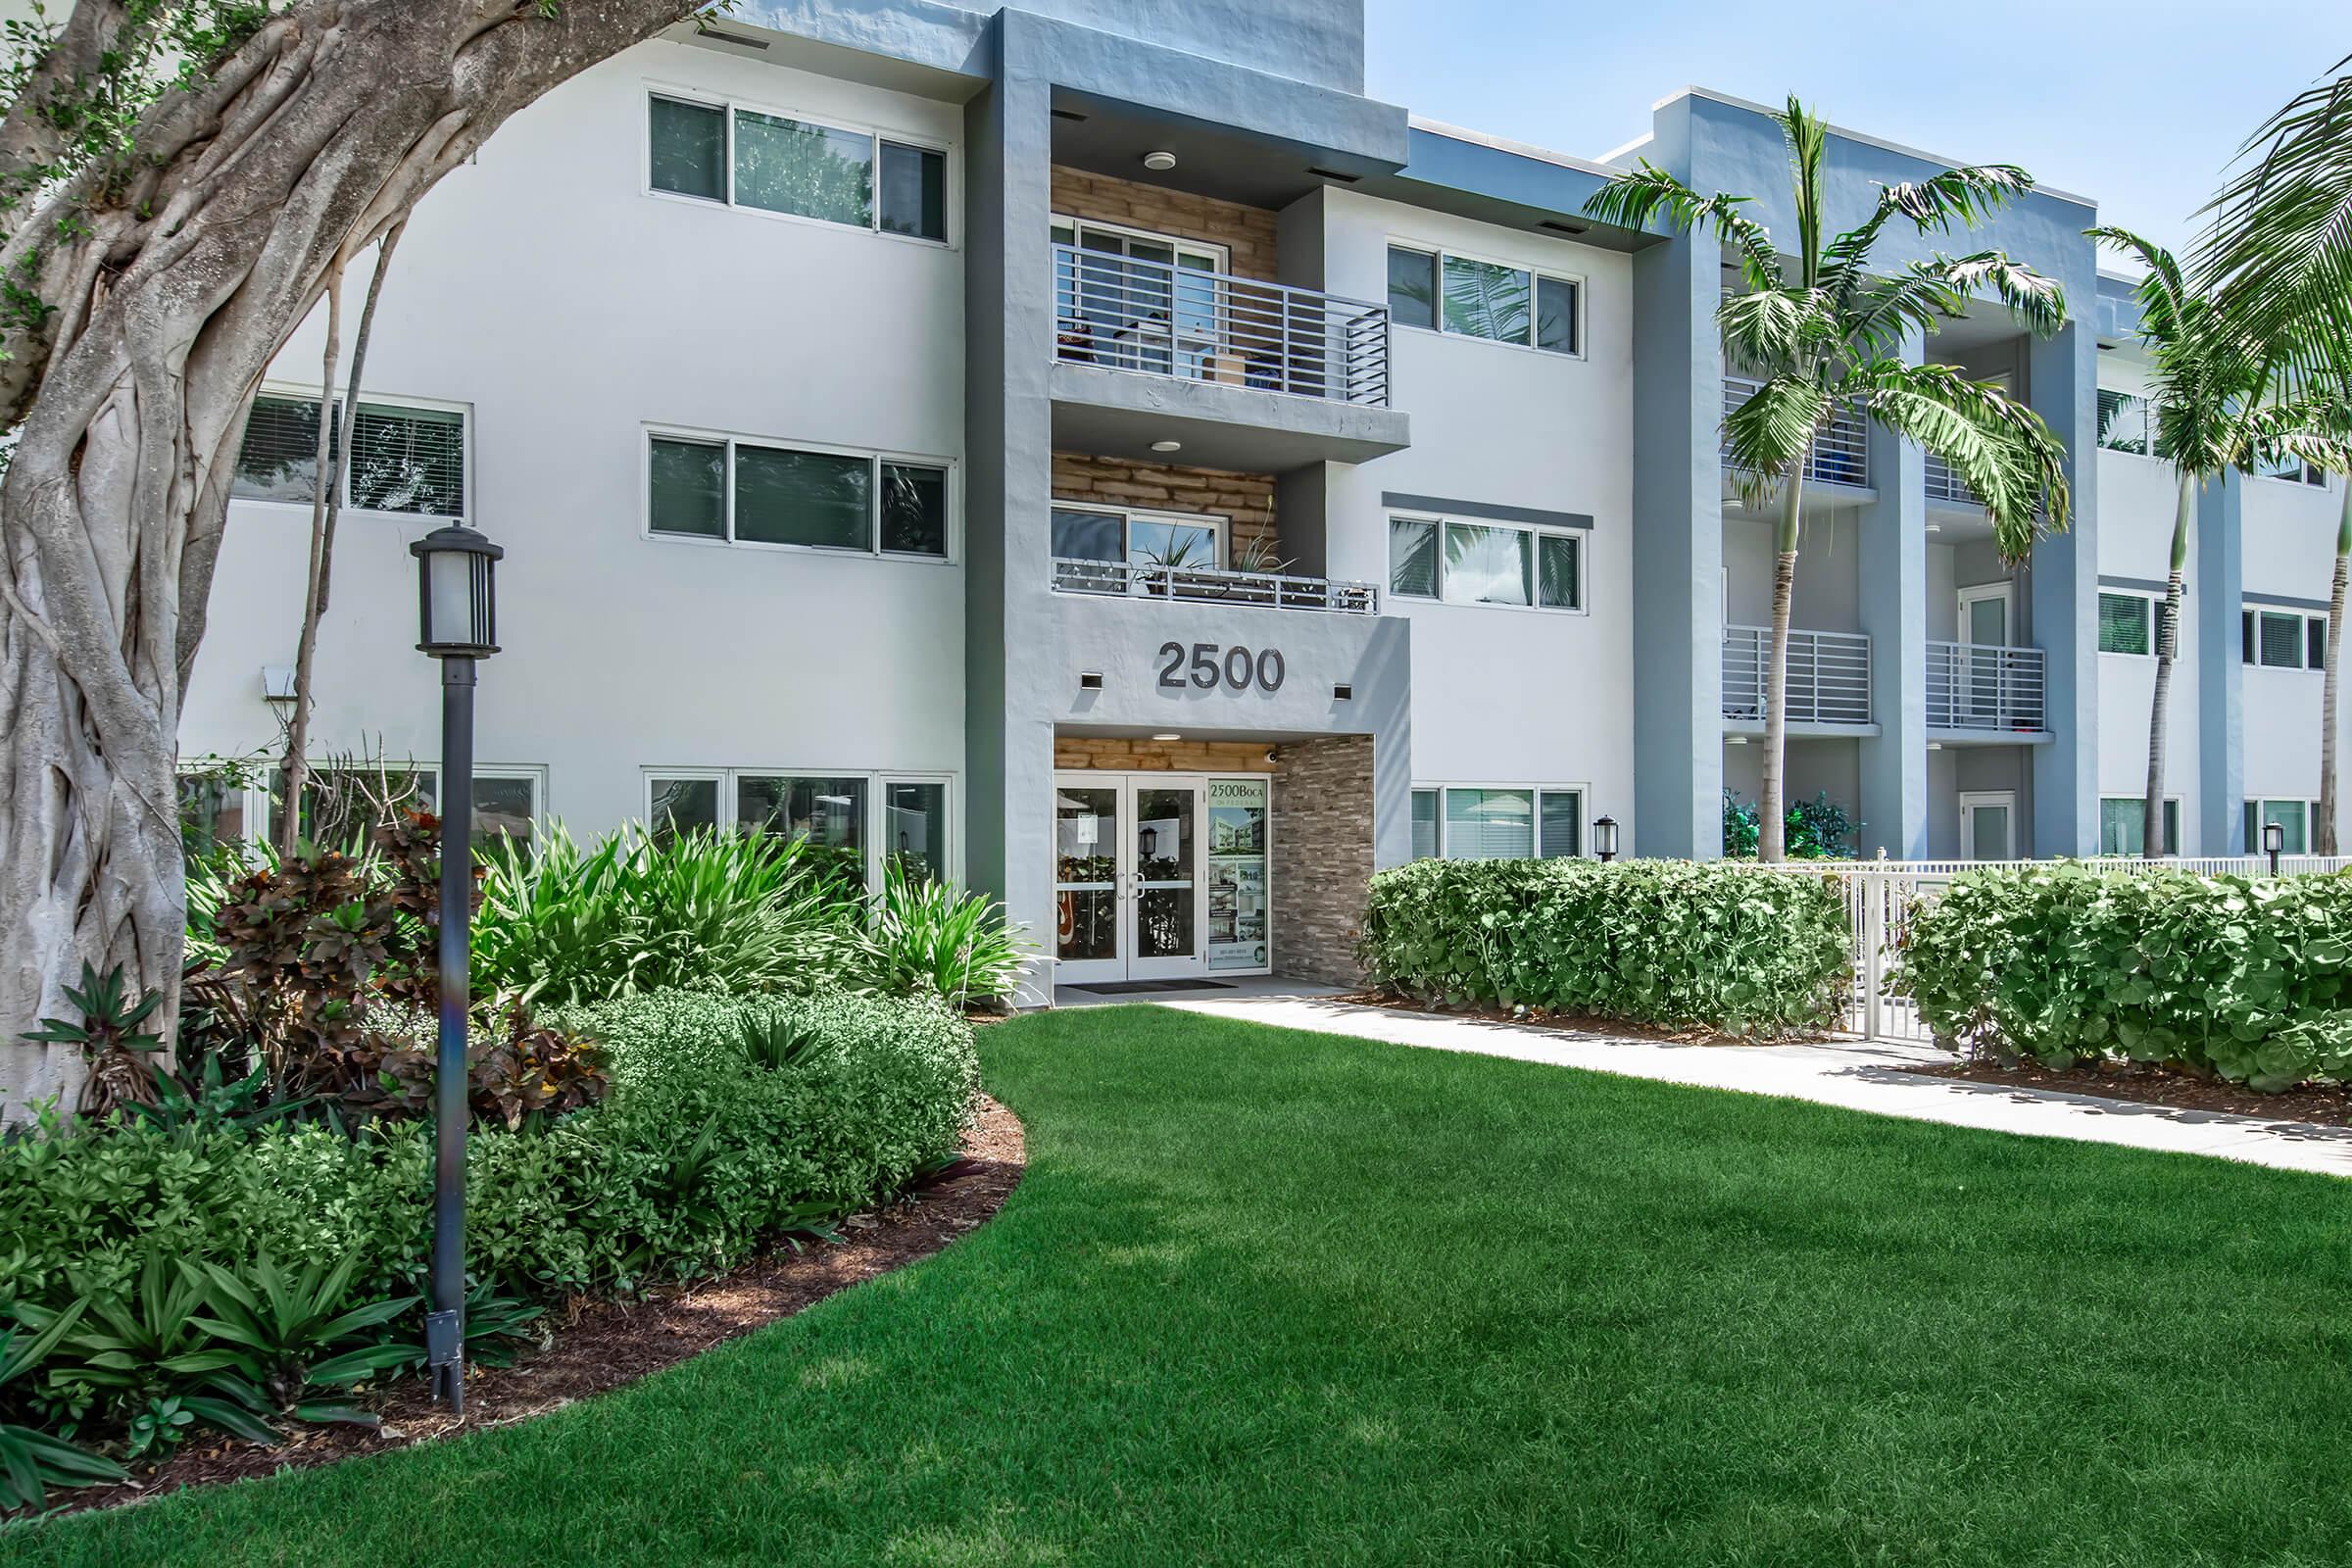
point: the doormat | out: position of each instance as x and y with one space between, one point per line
1130 988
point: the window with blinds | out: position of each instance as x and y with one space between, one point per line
402 458
2126 623
1515 822
2280 640
2125 423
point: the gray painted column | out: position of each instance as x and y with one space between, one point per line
2216 598
1008 440
1893 569
2062 385
1678 551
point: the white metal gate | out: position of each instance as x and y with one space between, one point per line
1882 897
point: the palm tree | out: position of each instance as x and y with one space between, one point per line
1827 332
2222 397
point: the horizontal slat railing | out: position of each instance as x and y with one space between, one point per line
1829 675
1165 319
1972 687
1270 590
1840 448
1946 486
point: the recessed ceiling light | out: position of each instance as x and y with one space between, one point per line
1168 446
1159 163
1168 735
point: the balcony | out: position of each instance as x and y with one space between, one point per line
1841 449
1987 695
1946 488
1250 376
1828 682
1266 590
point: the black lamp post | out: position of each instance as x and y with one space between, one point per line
2274 839
1604 838
457 612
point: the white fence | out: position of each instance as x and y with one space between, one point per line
1882 896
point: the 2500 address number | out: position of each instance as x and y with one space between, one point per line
1210 664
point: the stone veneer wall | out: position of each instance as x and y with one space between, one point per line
1138 756
1248 232
1245 500
1322 862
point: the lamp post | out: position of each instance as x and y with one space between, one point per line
2274 839
1604 838
457 611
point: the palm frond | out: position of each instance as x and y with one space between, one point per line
1808 138
1957 196
2162 291
1769 330
1648 195
1770 432
2000 449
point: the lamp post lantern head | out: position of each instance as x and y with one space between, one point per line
1604 838
2273 838
457 599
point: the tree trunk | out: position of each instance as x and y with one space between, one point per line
2168 643
167 300
2329 723
1772 844
297 769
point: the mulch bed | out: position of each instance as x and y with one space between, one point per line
2146 1084
1613 1028
600 1345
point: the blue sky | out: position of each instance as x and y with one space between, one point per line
2137 106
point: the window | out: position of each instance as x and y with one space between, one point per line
850 822
342 806
801 168
2127 424
1491 299
212 809
715 487
1491 822
2292 470
1486 563
404 458
2281 639
2123 825
2126 623
2294 819
1134 549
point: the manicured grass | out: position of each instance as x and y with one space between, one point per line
1276 1298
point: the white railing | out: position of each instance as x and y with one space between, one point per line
1829 675
1132 314
1973 687
1272 590
1946 486
1841 447
1882 897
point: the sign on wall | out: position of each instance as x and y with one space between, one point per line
1205 666
1237 875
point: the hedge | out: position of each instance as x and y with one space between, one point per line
2248 977
1665 943
697 1157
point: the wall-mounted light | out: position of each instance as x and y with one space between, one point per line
1160 161
1343 693
1605 837
1090 681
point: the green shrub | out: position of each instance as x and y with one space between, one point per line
721 912
700 1155
1818 829
1656 942
2247 977
931 939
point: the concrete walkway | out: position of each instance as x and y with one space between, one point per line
1852 1074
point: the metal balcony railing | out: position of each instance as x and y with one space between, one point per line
1946 486
1165 319
1829 675
1840 448
1271 590
1970 686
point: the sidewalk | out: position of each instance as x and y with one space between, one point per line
1856 1075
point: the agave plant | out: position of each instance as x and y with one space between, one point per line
122 1074
295 1337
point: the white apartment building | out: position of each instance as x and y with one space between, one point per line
1097 454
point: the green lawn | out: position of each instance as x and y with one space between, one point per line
1276 1298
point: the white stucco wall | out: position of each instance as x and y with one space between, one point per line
545 288
1505 695
2289 531
2138 497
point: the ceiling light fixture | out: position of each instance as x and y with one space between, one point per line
1168 446
1159 163
1168 735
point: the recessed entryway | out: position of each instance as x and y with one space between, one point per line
1159 876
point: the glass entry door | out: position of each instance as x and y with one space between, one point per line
1127 855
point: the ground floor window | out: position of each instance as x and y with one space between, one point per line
2296 819
2123 825
343 804
1498 822
854 823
